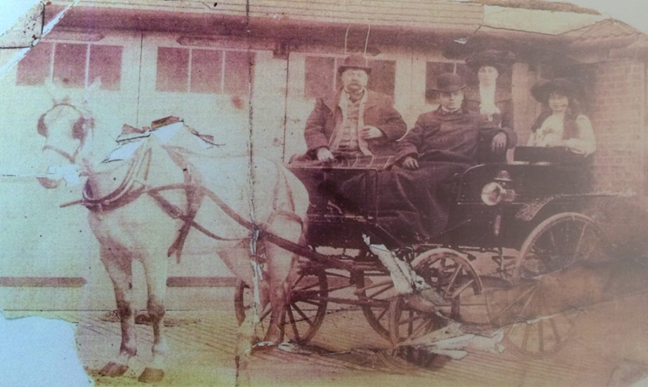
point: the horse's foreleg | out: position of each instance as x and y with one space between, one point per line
280 271
155 269
119 268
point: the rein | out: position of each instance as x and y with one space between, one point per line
134 185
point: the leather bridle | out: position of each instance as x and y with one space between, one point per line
78 131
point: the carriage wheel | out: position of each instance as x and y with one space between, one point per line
558 242
376 288
451 275
305 311
534 326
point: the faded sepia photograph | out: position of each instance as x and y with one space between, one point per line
323 193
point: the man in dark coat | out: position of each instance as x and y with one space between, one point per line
355 120
415 193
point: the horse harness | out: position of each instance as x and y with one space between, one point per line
134 185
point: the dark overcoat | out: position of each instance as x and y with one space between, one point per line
326 117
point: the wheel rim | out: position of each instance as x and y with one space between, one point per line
558 242
377 289
305 311
532 326
405 322
450 275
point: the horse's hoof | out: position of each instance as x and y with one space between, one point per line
151 375
113 369
263 346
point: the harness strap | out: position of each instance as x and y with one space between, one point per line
125 192
194 200
69 157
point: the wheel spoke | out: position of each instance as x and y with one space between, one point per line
525 338
309 286
422 327
509 306
317 304
386 288
533 299
540 335
301 313
409 320
554 328
463 287
452 280
265 314
301 277
293 323
553 241
382 314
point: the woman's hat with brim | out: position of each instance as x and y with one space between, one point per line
449 82
568 87
501 60
358 62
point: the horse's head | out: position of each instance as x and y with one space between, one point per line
65 128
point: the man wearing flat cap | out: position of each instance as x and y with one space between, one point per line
354 120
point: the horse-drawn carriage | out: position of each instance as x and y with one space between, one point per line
527 216
181 184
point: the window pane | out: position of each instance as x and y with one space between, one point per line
206 66
432 71
237 72
319 76
106 62
70 63
172 69
34 68
383 76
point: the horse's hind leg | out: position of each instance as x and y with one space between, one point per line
119 268
156 270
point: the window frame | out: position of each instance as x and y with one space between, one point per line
223 66
86 78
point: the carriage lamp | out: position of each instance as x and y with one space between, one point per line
495 192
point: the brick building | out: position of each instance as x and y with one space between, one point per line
210 62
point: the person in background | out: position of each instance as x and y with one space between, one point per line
494 105
563 124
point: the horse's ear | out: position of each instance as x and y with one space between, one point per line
42 128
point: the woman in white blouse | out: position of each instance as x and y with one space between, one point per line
563 124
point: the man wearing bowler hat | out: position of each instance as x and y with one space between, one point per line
354 120
448 133
415 194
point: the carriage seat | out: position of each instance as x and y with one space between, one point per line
550 155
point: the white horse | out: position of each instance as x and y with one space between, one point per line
142 209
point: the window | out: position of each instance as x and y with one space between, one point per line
207 68
172 69
70 64
105 63
34 68
203 71
322 77
74 65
